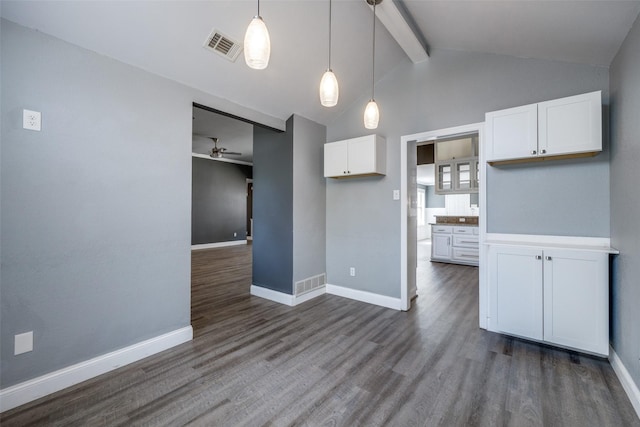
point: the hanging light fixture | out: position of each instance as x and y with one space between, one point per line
371 113
257 45
329 90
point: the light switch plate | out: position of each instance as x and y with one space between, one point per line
396 194
23 343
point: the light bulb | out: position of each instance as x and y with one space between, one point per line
329 90
371 115
257 45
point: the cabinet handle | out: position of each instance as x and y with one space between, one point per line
543 151
538 257
533 151
348 172
548 258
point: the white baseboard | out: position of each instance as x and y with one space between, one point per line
364 296
625 379
36 388
218 244
282 298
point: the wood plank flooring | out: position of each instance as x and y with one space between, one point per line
336 362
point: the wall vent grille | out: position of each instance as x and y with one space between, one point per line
223 45
310 284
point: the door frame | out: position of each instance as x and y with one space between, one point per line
407 271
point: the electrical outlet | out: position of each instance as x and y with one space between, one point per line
235 234
23 343
352 272
31 120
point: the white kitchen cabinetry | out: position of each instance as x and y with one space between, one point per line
363 156
554 295
561 128
455 244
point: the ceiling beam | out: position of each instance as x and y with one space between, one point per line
388 13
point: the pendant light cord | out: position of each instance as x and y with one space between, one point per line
258 7
373 62
329 34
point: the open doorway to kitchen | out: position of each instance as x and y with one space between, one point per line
443 217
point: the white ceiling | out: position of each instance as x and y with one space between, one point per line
166 38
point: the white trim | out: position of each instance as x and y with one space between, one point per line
482 226
286 299
272 295
364 296
218 244
600 244
629 386
221 159
36 388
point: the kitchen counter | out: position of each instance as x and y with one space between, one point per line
456 220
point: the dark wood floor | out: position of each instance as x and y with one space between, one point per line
333 361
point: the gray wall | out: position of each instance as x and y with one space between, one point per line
309 196
456 88
273 208
218 201
95 208
625 202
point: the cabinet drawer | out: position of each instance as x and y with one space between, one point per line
441 228
463 230
467 255
466 241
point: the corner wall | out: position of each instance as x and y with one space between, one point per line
625 202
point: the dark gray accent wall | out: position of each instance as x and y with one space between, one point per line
625 202
433 200
273 208
456 88
218 201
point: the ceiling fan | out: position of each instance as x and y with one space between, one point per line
220 152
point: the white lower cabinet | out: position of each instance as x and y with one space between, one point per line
455 244
558 296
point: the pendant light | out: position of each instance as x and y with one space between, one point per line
329 90
371 113
257 45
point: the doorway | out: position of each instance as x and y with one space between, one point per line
409 211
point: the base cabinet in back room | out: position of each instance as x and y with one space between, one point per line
558 296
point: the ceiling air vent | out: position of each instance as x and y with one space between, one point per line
223 45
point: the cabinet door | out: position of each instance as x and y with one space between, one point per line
464 178
335 159
444 178
570 125
441 246
576 299
515 291
512 133
362 155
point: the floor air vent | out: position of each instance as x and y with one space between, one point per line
310 284
223 45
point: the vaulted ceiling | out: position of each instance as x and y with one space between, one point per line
166 38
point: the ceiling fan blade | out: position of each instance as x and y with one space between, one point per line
232 153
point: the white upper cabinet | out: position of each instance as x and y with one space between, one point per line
570 125
512 133
361 156
567 127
